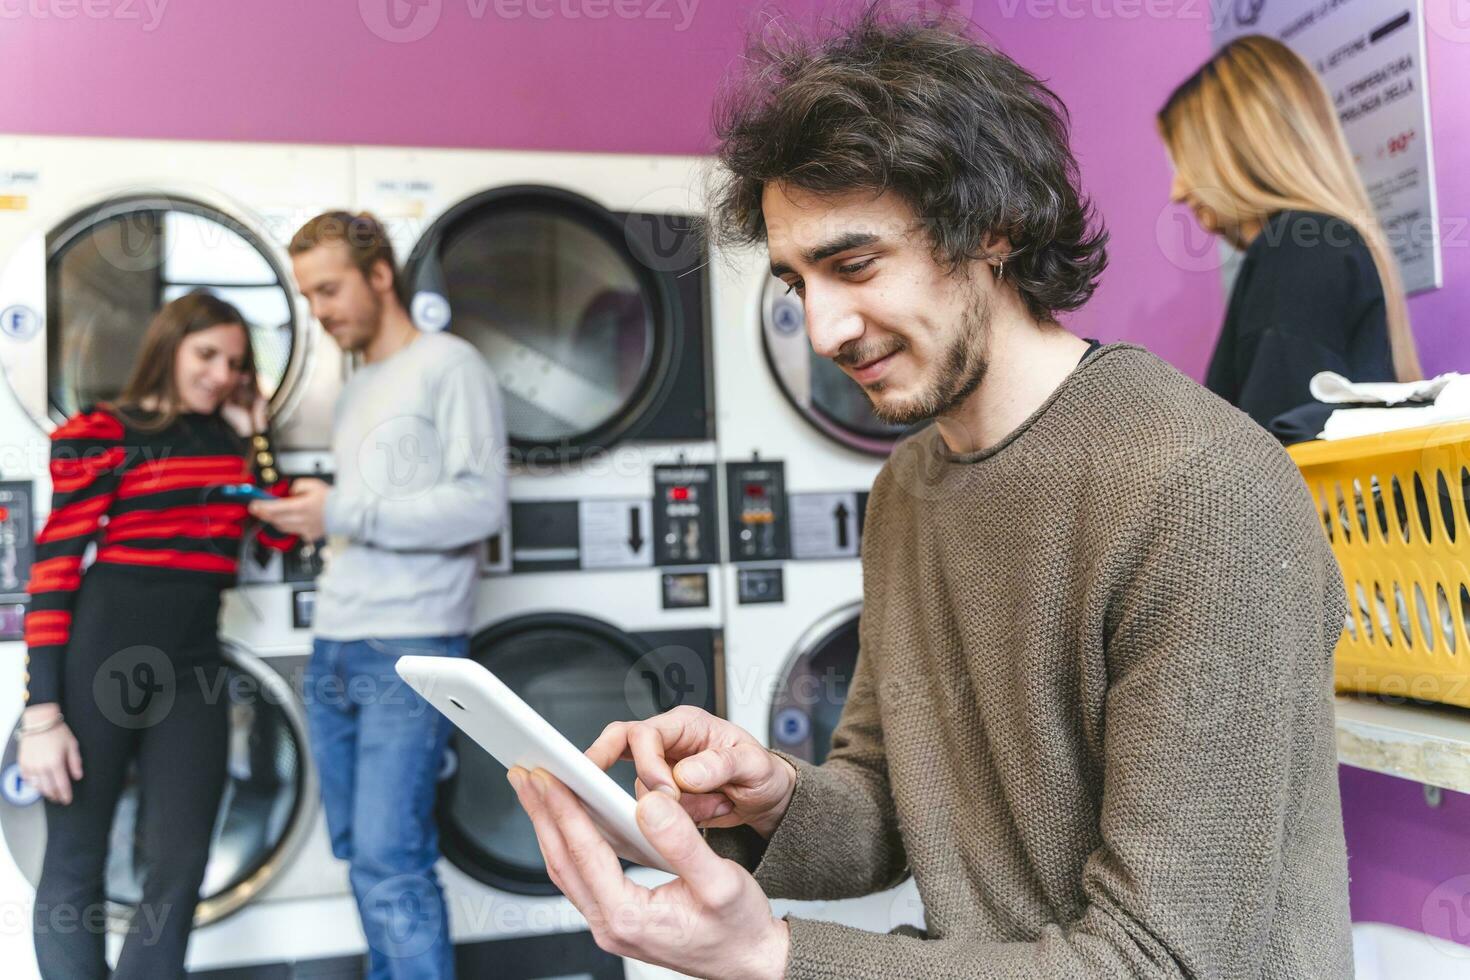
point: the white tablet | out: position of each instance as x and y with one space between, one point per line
510 729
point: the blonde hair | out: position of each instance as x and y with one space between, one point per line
1253 133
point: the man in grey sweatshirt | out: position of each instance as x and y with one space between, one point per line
419 441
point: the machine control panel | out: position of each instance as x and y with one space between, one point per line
757 512
17 552
684 515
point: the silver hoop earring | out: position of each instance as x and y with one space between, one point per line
1000 268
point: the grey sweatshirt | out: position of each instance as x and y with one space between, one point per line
1092 715
419 441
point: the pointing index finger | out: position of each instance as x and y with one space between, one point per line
611 746
649 743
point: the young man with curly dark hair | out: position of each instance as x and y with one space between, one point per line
1092 711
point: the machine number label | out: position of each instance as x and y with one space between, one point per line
20 322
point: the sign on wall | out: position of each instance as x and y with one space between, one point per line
1370 56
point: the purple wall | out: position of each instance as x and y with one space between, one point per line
638 76
332 72
281 70
1162 287
1410 862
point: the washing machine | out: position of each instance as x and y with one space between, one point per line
584 649
799 449
583 282
95 234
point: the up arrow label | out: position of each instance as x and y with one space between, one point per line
824 525
841 513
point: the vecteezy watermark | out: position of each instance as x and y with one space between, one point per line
665 678
1445 916
1215 13
146 921
404 457
133 239
945 11
360 690
1449 19
664 229
401 458
680 12
405 916
405 21
1184 243
400 21
148 12
135 687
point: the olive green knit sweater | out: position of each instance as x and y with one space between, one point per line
1092 714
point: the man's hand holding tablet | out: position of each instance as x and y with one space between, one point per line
714 920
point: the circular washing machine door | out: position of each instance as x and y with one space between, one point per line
818 389
583 336
575 671
110 267
813 688
264 815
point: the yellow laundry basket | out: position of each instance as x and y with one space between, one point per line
1395 508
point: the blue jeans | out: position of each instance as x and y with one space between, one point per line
378 748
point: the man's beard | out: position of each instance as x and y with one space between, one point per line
364 331
961 369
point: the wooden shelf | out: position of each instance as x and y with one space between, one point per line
1428 744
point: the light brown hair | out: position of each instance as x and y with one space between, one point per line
153 381
363 234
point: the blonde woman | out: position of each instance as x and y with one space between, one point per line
1261 160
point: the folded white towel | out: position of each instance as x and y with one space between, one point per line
1451 404
1333 388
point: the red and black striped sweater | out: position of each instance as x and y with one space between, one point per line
149 500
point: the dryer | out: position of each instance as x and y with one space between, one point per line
272 892
582 280
584 649
800 448
87 253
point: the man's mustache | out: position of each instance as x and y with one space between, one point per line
853 354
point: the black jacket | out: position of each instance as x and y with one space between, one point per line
1307 299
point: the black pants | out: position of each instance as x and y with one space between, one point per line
142 683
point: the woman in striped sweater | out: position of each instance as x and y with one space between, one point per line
123 661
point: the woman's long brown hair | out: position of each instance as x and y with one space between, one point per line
153 382
1253 133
